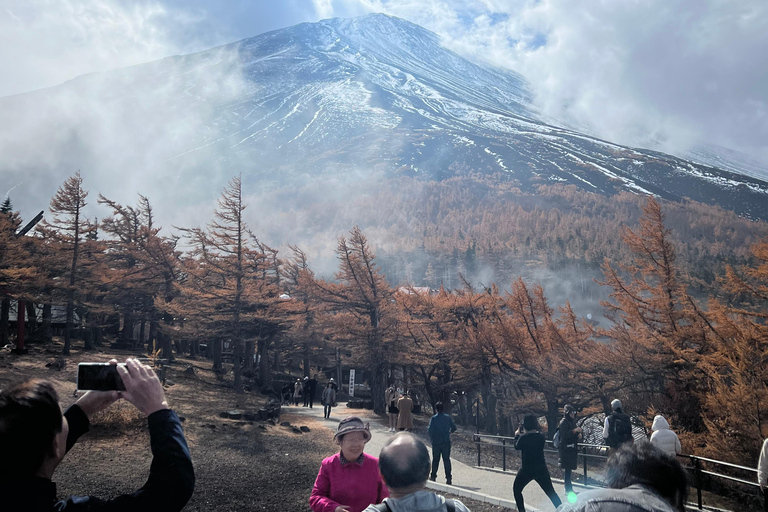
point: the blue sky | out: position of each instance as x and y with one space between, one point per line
679 71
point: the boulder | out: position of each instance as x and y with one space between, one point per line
304 428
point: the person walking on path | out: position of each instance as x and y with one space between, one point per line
390 398
440 427
348 481
305 391
311 388
328 399
617 429
404 465
404 416
297 388
568 450
530 442
663 438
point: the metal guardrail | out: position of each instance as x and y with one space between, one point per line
695 468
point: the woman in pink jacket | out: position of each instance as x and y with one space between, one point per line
350 480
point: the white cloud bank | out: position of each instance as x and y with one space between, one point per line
669 72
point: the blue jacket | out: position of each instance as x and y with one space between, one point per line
440 428
169 487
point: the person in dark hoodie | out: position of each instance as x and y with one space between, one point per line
35 436
568 451
530 442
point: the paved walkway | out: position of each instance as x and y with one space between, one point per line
490 486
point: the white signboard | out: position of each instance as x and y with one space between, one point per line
351 382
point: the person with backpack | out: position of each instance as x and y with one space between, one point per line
404 465
530 442
617 430
568 436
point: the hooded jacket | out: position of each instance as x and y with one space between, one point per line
419 501
663 438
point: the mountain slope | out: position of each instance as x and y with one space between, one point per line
335 101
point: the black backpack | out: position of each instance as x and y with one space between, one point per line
383 507
619 429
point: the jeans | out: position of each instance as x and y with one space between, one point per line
326 411
441 450
541 475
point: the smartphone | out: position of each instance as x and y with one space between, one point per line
99 377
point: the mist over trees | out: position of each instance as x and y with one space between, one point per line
687 336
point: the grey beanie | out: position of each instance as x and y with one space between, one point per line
616 404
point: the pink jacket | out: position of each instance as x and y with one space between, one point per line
352 484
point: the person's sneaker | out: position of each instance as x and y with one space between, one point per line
433 478
448 481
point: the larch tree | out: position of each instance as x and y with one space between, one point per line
735 404
68 227
231 287
18 274
362 304
659 333
141 268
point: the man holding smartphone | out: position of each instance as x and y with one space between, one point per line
35 436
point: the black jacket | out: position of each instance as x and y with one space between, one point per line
568 450
168 488
532 446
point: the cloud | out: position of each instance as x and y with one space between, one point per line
665 73
43 43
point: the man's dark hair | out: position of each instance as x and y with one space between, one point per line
530 423
643 463
439 408
30 417
401 472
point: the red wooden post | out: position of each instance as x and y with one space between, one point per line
22 308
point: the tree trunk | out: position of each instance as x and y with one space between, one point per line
250 348
305 361
166 351
46 334
553 418
217 359
489 399
153 328
237 359
32 319
445 391
70 323
127 325
5 313
265 370
142 329
378 386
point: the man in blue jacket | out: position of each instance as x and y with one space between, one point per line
35 436
440 427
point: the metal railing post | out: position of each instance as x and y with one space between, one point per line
697 477
504 454
478 452
584 456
